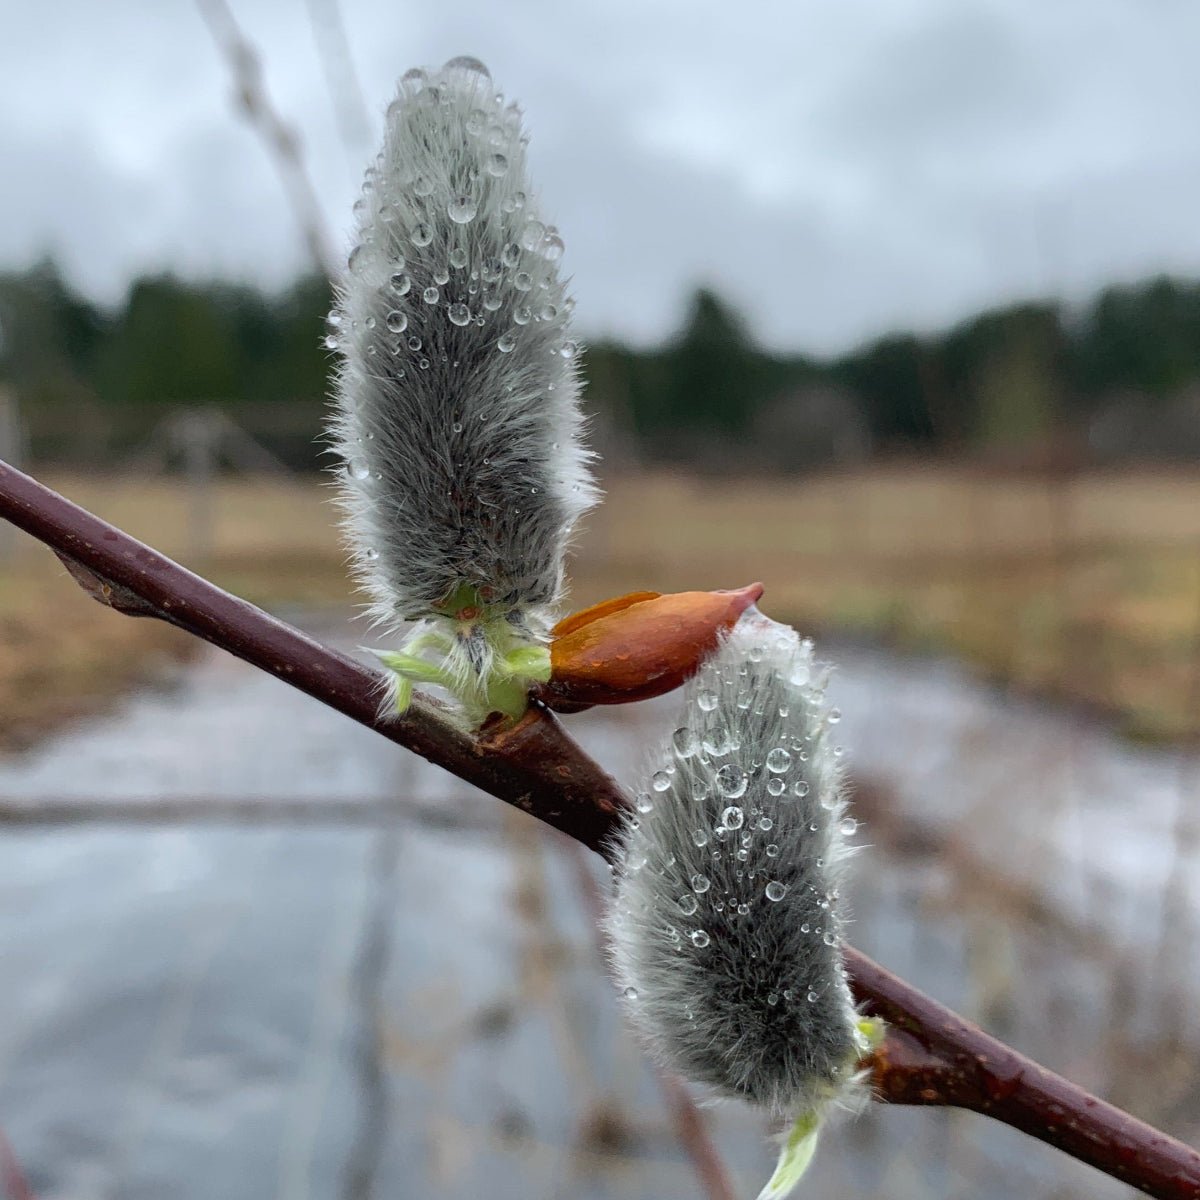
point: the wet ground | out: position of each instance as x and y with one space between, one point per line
251 950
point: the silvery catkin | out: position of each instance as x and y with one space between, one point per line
726 928
457 398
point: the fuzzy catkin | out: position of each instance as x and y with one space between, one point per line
457 398
726 930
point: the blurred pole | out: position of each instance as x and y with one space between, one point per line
199 466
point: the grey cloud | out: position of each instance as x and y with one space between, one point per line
839 169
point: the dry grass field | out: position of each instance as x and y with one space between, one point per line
1084 586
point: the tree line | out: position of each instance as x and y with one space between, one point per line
1011 376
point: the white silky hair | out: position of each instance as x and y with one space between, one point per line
726 928
456 407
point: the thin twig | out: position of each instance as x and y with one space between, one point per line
279 138
932 1056
341 79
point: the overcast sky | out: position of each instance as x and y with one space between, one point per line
838 167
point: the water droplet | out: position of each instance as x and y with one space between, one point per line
733 817
357 260
829 800
458 258
830 937
700 938
718 743
414 343
766 824
469 66
776 891
800 787
457 427
849 826
356 468
431 295
778 760
397 322
660 781
441 276
552 247
688 904
522 281
462 208
642 802
371 553
401 284
812 996
506 343
700 837
532 234
331 342
422 186
523 314
835 715
569 349
422 234
459 314
706 700
684 742
630 993
497 165
732 782
776 787
700 884
772 850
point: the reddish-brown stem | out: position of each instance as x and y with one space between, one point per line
535 765
931 1055
934 1056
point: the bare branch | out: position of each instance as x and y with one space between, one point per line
932 1056
535 766
281 141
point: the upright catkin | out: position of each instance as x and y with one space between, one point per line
456 407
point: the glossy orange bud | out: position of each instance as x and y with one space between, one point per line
637 646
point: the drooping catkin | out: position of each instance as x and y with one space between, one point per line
457 398
727 923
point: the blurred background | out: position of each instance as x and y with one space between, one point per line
895 307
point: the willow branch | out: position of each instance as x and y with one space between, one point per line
535 766
931 1057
